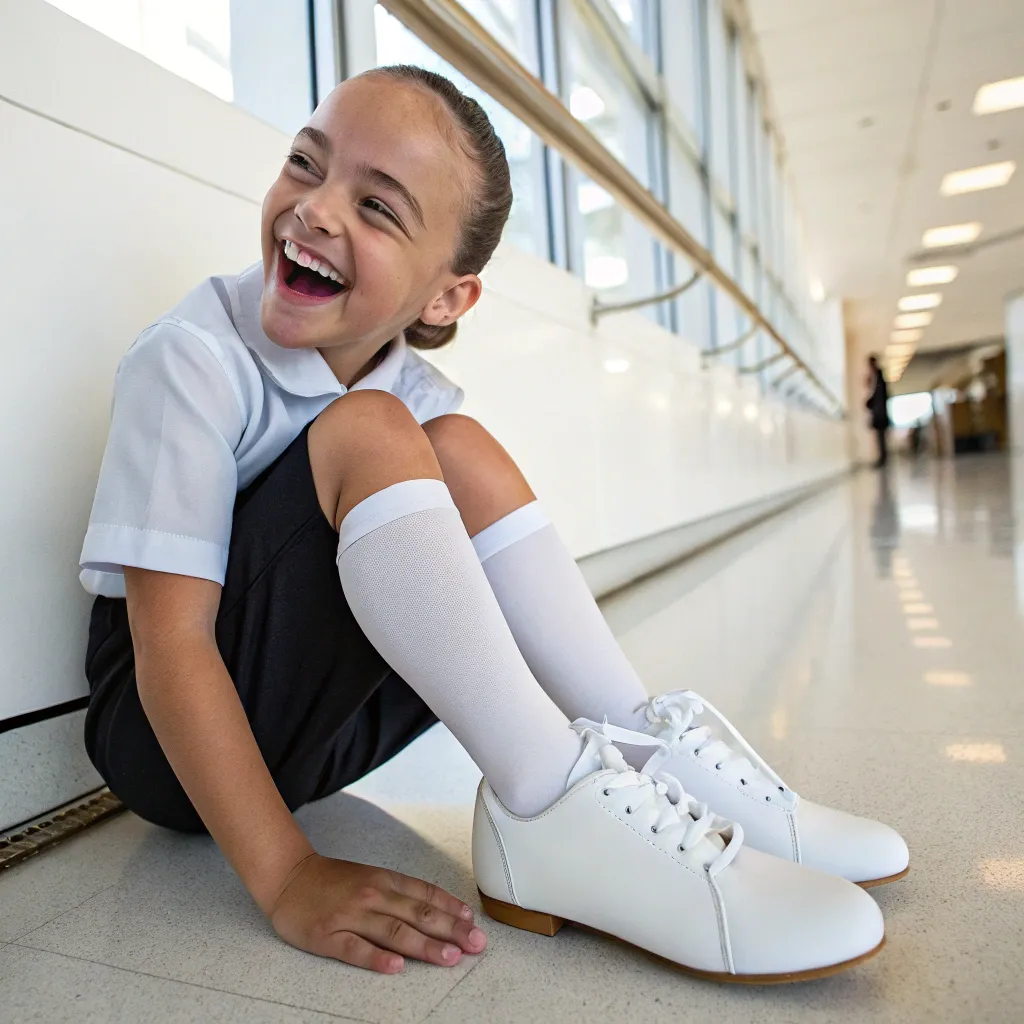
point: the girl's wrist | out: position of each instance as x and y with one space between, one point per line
266 882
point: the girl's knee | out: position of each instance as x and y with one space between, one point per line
362 443
483 478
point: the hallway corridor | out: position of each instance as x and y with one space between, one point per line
870 645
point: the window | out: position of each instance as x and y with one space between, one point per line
513 23
527 225
683 64
256 55
687 192
638 17
720 147
612 251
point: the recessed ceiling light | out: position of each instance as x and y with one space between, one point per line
951 234
976 179
925 276
906 335
999 96
616 365
915 303
904 320
817 290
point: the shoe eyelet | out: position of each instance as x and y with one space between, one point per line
607 792
782 789
629 810
654 829
695 752
768 799
718 767
680 849
743 782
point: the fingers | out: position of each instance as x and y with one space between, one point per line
434 922
427 893
357 951
395 934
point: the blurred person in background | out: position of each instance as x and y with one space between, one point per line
878 409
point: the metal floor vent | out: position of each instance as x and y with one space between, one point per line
26 840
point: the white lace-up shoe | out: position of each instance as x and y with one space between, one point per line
713 762
636 858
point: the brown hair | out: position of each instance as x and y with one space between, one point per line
488 207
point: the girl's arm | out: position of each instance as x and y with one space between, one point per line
352 912
195 712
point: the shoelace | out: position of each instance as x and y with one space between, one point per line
678 709
675 808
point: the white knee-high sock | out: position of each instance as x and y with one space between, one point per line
416 588
555 620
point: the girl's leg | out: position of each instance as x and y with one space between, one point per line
415 586
553 617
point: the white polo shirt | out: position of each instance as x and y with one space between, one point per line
203 402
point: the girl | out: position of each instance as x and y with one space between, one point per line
288 594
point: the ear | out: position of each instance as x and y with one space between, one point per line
457 299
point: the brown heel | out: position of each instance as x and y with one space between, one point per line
517 917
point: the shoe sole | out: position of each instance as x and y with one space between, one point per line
548 924
872 882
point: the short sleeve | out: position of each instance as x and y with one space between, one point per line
168 480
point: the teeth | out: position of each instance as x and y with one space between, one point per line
304 259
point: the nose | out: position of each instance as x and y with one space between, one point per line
316 214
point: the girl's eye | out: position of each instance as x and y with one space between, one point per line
379 207
298 160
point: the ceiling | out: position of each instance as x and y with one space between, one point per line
873 101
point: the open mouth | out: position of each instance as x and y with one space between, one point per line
308 275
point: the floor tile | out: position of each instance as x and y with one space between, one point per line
59 879
53 989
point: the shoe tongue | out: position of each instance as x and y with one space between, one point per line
591 759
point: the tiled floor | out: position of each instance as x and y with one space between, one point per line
870 643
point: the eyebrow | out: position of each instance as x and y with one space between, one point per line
385 180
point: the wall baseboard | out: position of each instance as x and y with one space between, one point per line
44 766
618 567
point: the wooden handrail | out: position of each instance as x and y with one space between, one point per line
447 28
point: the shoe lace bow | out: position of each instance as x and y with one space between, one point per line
737 760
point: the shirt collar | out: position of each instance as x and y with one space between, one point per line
300 371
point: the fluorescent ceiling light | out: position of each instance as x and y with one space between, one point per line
976 179
906 335
999 96
905 320
914 303
616 365
951 234
585 104
923 277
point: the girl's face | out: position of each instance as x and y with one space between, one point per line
374 190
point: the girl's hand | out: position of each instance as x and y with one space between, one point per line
371 917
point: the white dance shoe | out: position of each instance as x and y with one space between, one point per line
714 763
636 858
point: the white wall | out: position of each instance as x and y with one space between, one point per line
1015 369
124 186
